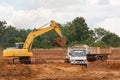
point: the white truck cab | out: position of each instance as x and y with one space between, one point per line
77 55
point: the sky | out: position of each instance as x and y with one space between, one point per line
35 13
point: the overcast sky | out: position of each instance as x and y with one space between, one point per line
35 13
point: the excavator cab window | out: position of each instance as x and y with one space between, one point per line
19 46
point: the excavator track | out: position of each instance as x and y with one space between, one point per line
21 60
25 60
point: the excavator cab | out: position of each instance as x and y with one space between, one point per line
19 45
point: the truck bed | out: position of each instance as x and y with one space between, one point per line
100 50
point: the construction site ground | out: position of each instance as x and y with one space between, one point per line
48 64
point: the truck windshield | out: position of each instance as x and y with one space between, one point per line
78 53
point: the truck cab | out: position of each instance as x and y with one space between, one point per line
76 56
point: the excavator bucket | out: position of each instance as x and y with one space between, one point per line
60 41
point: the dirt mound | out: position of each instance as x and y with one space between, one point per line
49 55
60 41
55 71
109 65
60 71
48 71
16 72
113 65
100 75
115 54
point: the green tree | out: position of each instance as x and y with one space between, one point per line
99 32
2 28
81 29
112 39
106 38
77 32
10 36
69 32
2 31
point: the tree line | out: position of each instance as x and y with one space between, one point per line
75 32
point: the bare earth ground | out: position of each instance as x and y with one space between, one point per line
50 66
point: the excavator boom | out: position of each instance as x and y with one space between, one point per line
41 31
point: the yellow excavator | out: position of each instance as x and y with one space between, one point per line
23 51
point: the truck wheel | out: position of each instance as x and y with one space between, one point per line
98 58
104 58
67 61
85 65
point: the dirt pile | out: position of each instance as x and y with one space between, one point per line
15 72
60 41
113 65
55 71
115 54
47 71
49 55
109 65
58 71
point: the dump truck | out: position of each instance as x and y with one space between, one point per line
77 55
98 53
23 51
81 54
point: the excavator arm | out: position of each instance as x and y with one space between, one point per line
40 31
